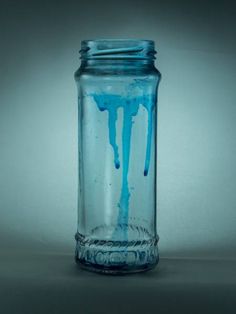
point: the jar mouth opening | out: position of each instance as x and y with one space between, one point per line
141 49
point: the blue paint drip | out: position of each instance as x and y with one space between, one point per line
112 134
148 104
112 103
130 109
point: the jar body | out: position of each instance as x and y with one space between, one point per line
117 166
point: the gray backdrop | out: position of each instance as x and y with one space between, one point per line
196 43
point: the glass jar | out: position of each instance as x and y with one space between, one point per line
117 94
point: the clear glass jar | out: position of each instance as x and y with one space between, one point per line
117 93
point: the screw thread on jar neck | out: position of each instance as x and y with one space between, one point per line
118 49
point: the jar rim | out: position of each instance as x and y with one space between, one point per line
117 39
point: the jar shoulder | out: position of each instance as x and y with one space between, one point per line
84 74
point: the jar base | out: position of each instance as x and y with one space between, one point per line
116 257
95 268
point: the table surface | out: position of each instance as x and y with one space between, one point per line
50 282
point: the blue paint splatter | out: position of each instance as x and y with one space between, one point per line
130 106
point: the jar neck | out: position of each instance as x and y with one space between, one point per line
116 63
115 51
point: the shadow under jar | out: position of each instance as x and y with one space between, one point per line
117 106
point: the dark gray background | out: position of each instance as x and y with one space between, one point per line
196 44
